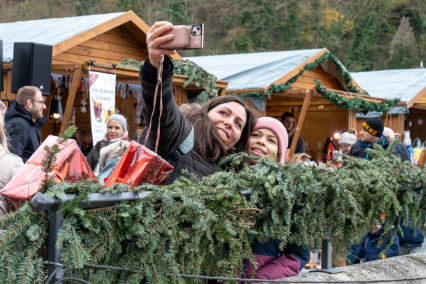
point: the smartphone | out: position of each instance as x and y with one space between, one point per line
185 37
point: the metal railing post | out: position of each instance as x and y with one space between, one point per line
54 253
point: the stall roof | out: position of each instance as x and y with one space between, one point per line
405 84
47 31
253 70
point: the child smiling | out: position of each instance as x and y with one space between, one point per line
268 139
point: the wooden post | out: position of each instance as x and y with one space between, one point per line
305 106
71 96
352 119
399 125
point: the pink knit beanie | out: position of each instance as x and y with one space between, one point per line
279 131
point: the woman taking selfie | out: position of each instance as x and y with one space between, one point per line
221 126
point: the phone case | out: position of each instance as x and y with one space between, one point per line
180 38
185 37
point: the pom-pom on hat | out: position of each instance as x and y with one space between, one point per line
279 131
374 126
119 118
347 138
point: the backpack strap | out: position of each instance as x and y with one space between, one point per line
186 146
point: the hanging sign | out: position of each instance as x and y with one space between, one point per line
102 102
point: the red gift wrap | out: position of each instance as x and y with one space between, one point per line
140 165
70 166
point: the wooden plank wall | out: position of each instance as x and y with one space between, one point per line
110 47
416 129
306 81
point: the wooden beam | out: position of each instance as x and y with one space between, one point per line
71 96
283 79
91 33
399 124
416 98
305 106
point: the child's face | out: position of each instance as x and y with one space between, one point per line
263 143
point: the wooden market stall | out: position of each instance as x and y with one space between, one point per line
408 85
95 42
304 82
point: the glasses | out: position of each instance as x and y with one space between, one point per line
42 101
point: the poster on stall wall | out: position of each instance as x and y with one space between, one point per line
102 102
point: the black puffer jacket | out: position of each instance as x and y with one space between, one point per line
175 128
358 149
23 131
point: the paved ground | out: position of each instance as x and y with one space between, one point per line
402 267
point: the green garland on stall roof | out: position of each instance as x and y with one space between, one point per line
356 104
195 73
261 95
308 67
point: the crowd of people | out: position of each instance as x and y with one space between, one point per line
194 138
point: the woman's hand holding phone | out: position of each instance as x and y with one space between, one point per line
155 38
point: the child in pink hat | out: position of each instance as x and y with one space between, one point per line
268 139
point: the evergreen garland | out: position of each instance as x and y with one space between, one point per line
205 225
358 104
195 73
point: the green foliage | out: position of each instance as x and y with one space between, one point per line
357 103
204 226
195 73
359 32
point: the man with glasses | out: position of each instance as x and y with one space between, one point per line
24 119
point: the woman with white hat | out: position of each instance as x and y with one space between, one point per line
116 131
346 141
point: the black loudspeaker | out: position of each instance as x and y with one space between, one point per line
1 65
32 65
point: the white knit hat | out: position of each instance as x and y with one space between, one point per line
347 138
120 119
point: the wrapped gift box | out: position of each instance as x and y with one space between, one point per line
139 165
70 166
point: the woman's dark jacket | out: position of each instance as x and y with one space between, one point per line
175 128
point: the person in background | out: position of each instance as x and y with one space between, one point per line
197 142
412 238
370 250
116 131
400 148
11 164
187 108
84 141
353 131
372 133
288 120
24 119
346 141
269 140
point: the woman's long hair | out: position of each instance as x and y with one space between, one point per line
208 143
3 134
